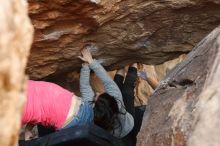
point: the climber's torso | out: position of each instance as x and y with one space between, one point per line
48 104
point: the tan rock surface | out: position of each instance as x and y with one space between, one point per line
15 42
186 104
143 90
124 31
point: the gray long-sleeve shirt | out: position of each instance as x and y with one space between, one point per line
126 119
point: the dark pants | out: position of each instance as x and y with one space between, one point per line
127 90
79 135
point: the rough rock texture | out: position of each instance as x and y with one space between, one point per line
124 31
207 125
187 101
15 42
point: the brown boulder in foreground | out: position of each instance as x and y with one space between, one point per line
15 40
185 107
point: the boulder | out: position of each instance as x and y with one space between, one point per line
184 109
123 31
16 34
207 123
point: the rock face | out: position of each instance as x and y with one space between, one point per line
124 31
207 126
185 108
15 42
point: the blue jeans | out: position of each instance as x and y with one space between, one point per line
85 115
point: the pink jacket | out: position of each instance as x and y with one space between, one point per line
47 104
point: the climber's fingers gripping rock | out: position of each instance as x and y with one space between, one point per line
86 55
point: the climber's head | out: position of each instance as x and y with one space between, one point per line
106 111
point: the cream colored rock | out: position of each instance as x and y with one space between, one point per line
124 31
15 40
143 90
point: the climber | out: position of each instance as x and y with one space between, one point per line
109 110
52 106
127 86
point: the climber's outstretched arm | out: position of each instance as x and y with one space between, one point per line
110 86
85 88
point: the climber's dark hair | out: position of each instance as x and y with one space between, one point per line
106 112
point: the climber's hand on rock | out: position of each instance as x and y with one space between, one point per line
142 74
86 56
